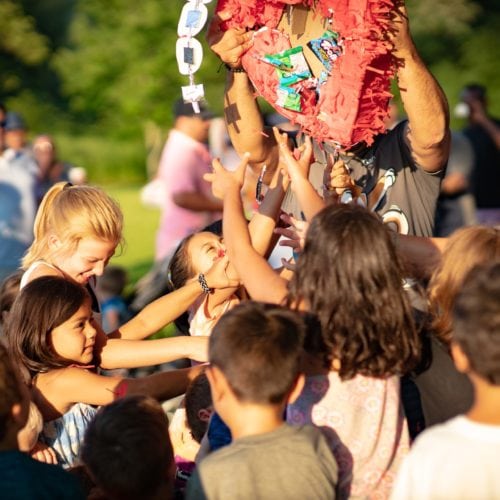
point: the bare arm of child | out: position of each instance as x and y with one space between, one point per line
298 170
60 389
260 280
166 309
123 353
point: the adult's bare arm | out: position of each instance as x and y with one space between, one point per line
241 111
425 104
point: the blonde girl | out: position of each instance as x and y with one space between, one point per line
77 230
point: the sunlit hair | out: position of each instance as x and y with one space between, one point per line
476 320
127 450
42 305
466 248
72 213
350 276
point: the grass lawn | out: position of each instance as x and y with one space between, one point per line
140 226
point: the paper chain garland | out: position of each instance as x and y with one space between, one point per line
350 105
188 50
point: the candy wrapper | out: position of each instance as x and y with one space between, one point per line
327 49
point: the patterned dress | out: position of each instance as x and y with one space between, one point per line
364 424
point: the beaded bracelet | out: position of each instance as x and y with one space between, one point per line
234 70
203 283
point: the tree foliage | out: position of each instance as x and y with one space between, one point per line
111 65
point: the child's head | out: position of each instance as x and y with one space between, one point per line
8 292
350 276
195 254
198 402
77 228
113 281
476 322
50 326
14 401
127 450
256 348
466 248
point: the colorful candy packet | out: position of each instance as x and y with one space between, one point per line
327 48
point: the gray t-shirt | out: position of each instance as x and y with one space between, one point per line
292 462
393 185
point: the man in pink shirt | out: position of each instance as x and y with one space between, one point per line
188 204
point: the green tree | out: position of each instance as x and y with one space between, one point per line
120 67
21 46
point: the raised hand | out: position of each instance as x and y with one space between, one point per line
338 180
231 44
223 180
218 276
298 162
295 232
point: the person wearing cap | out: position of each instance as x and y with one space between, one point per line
188 204
18 177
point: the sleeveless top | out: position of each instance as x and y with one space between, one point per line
65 434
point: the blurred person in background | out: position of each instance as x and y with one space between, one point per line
483 131
18 178
188 204
50 169
3 122
456 207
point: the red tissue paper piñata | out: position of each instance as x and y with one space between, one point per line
351 103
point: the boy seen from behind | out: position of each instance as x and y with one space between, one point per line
459 459
255 351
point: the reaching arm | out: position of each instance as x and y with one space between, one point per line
241 111
260 280
119 353
166 309
196 202
76 385
425 104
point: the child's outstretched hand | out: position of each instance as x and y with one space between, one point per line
218 275
295 233
298 162
223 180
43 453
338 179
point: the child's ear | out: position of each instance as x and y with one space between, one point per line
204 414
217 383
461 361
297 388
54 242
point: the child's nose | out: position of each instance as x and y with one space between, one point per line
99 268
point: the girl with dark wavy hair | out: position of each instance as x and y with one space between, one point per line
350 277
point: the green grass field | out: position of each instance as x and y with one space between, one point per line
140 226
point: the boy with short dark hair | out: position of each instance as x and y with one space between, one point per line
255 352
460 458
20 475
127 450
